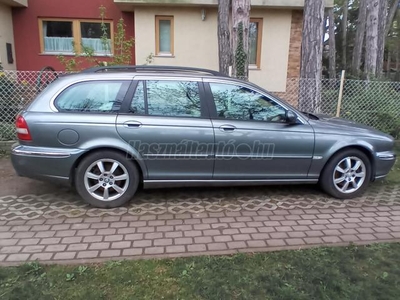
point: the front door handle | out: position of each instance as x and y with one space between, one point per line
226 128
132 124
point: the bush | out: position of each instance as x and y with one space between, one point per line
7 132
6 88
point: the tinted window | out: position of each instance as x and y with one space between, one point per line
173 98
93 96
137 104
240 103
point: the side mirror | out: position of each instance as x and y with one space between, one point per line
291 117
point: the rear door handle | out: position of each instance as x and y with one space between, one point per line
132 124
226 128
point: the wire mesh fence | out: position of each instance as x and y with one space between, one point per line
374 103
17 89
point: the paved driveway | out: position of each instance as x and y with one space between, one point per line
51 224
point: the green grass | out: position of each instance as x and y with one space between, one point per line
365 272
393 177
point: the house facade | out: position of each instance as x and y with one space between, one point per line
7 45
168 32
47 28
184 33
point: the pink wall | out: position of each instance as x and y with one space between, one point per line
26 28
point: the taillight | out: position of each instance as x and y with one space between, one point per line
22 129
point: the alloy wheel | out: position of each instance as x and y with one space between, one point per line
349 174
106 179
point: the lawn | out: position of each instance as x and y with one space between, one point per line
363 272
394 175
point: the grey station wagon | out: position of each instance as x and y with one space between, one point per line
108 130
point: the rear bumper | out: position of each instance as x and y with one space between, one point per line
50 164
384 162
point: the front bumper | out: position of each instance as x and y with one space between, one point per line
50 164
384 161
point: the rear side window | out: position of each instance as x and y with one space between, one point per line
167 98
93 96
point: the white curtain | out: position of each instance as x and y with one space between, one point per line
58 44
97 45
165 36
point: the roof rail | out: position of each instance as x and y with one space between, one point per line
146 68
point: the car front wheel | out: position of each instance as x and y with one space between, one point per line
106 179
347 174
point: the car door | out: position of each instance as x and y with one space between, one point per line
167 122
253 139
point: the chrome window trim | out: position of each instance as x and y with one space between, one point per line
167 78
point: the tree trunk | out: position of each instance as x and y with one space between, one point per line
397 60
311 55
359 39
344 34
371 43
391 15
332 45
224 38
381 37
240 37
388 64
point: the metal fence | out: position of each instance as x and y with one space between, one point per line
17 89
374 103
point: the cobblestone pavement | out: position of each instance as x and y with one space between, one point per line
67 204
39 221
91 239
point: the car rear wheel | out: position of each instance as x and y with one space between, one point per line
346 175
106 179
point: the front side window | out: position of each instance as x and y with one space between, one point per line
93 96
173 98
164 35
62 36
236 102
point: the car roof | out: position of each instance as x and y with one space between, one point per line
129 72
153 68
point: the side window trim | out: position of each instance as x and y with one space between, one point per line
204 107
146 102
209 101
129 97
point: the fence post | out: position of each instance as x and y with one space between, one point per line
339 104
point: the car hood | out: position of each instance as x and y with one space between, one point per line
329 124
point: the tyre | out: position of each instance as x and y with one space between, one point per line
106 179
346 175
